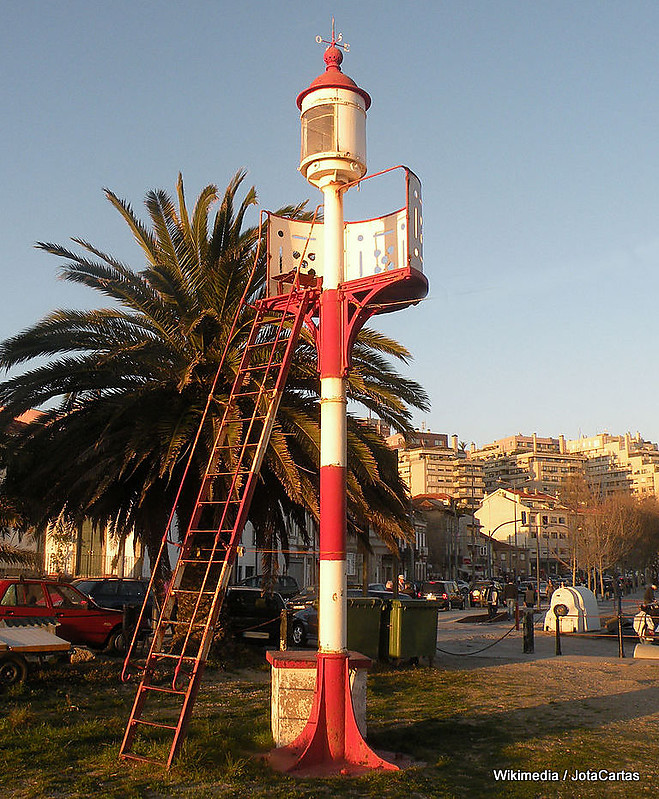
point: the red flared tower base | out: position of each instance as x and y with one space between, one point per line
331 742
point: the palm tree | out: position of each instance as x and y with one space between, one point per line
13 521
125 386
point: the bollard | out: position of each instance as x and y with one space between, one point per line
283 630
621 640
529 643
558 636
559 612
516 615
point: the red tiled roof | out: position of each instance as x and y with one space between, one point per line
29 416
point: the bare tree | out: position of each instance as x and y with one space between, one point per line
577 496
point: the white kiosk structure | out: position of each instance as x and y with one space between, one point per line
582 614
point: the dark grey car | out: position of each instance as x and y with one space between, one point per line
283 584
116 592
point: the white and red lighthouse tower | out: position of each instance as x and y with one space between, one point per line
363 268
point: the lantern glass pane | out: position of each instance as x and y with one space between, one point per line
318 131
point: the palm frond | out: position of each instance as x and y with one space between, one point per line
126 385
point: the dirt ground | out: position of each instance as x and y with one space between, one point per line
587 709
582 687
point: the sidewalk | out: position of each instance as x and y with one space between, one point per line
461 639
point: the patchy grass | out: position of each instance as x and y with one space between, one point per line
60 733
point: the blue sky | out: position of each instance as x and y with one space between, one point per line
533 127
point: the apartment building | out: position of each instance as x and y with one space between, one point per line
619 464
528 462
429 465
456 546
610 464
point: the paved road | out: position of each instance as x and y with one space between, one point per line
465 640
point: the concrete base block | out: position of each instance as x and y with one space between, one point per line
293 681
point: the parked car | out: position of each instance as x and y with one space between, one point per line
303 626
282 584
307 596
116 592
378 587
80 619
446 592
254 614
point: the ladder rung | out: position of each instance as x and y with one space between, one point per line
207 551
255 393
271 343
238 473
190 592
259 367
206 502
227 474
154 724
170 656
162 690
201 530
187 623
141 759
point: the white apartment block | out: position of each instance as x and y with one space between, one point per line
429 465
610 464
528 462
615 464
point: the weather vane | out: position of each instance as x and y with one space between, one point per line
337 41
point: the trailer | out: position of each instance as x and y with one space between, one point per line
24 640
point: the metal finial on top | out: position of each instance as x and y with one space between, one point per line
336 41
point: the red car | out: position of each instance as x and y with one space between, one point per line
80 619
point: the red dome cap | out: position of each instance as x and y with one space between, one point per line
333 78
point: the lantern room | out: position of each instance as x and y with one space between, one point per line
333 123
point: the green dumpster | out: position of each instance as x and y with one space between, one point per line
364 619
413 628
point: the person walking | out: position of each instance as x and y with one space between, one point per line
530 597
648 596
510 596
550 590
492 601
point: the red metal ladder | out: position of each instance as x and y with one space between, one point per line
183 634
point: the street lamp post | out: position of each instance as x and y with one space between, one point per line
537 562
516 567
498 527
